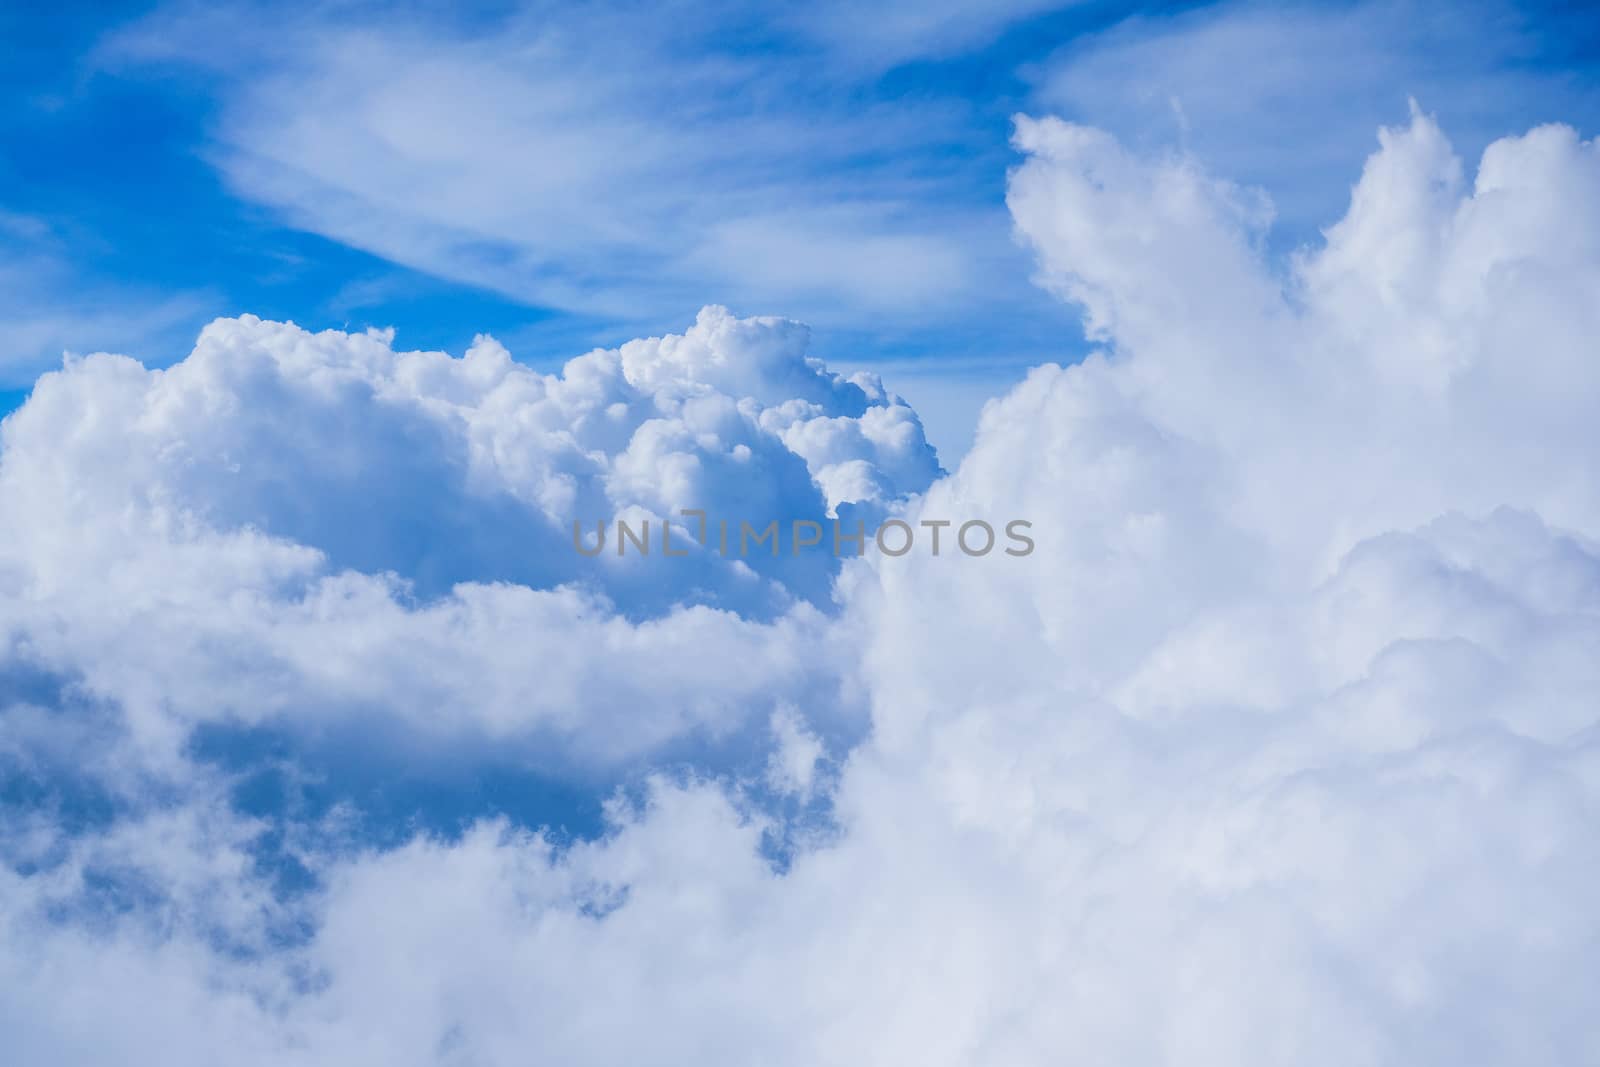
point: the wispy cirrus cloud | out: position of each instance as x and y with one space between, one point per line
610 163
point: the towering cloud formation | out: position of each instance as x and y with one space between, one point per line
1280 748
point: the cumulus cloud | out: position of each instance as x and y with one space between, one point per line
1280 748
288 525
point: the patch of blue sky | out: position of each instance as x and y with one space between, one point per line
279 775
114 212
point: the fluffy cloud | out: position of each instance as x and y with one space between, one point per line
1280 748
289 525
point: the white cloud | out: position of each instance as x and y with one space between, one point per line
792 768
1280 748
293 526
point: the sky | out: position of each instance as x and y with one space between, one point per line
564 177
329 333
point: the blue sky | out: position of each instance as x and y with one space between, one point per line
564 177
